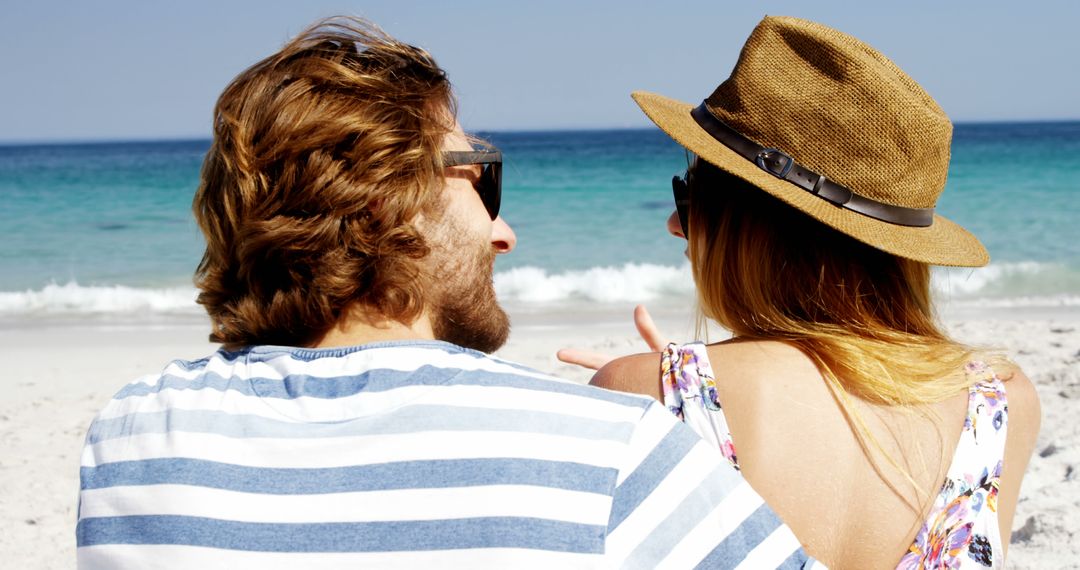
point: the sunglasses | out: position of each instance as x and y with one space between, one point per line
680 187
489 185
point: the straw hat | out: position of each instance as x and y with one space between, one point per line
830 126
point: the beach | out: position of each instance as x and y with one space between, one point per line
60 372
100 246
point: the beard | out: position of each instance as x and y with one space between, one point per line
463 307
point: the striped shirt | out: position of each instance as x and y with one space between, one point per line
405 455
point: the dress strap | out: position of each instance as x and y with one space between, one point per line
988 413
961 530
690 393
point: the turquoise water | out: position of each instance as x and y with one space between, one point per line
1017 188
107 227
101 214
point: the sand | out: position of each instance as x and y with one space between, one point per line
58 374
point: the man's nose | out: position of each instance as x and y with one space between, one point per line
502 236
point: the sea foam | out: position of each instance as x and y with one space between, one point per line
1023 284
1001 281
633 282
72 298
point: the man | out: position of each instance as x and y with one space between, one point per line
352 417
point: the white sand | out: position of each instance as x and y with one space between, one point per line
57 375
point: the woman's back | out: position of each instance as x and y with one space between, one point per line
798 448
809 209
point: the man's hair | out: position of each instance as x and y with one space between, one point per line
322 155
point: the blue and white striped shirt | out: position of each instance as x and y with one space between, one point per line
405 455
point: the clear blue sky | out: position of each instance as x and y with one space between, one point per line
124 69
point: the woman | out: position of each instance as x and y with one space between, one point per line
808 210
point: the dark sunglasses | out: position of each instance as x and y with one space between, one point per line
680 187
489 185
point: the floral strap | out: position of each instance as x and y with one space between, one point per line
690 393
962 529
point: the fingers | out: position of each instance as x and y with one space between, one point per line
584 358
596 360
647 329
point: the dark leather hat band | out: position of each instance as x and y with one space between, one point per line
783 166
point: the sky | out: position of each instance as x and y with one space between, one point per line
121 70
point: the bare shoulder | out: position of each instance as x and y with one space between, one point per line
772 363
637 373
1025 416
1025 411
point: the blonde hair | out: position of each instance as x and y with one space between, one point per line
765 270
322 155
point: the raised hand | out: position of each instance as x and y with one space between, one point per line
595 360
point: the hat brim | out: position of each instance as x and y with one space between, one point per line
942 243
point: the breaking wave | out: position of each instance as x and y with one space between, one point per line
1019 284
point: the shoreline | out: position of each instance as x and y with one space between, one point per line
61 371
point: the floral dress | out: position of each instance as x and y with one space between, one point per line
960 531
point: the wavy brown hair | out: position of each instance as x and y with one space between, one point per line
323 154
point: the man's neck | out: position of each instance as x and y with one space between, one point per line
362 329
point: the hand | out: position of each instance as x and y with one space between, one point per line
596 360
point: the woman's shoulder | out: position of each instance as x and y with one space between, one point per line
751 359
637 373
770 365
1025 411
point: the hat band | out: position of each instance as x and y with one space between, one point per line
784 167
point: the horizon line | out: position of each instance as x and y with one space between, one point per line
196 138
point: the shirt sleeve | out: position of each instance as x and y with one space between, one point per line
679 504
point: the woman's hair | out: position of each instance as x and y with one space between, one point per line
765 270
322 155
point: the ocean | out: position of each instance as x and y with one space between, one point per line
106 229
